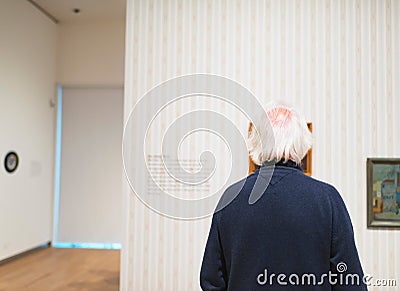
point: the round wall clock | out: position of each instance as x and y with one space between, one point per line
11 162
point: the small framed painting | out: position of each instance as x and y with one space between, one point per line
306 163
252 166
11 162
383 192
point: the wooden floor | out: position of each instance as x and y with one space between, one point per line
62 269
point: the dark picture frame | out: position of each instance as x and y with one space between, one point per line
383 192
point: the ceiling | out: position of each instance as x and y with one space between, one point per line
90 10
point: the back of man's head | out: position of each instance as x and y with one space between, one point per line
282 135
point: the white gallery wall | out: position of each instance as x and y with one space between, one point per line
35 55
91 53
89 208
90 68
336 61
27 84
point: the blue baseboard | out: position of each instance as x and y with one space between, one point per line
102 246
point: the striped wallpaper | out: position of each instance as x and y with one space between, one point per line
337 61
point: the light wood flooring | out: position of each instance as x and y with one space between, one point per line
61 269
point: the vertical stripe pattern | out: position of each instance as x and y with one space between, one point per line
337 61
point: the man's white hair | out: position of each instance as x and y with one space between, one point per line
282 135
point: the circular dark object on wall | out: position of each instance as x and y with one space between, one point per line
11 162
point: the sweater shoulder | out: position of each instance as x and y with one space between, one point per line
321 185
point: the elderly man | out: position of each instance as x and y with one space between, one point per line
296 235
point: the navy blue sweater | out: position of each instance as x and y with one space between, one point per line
297 236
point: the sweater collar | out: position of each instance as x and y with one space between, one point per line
281 163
